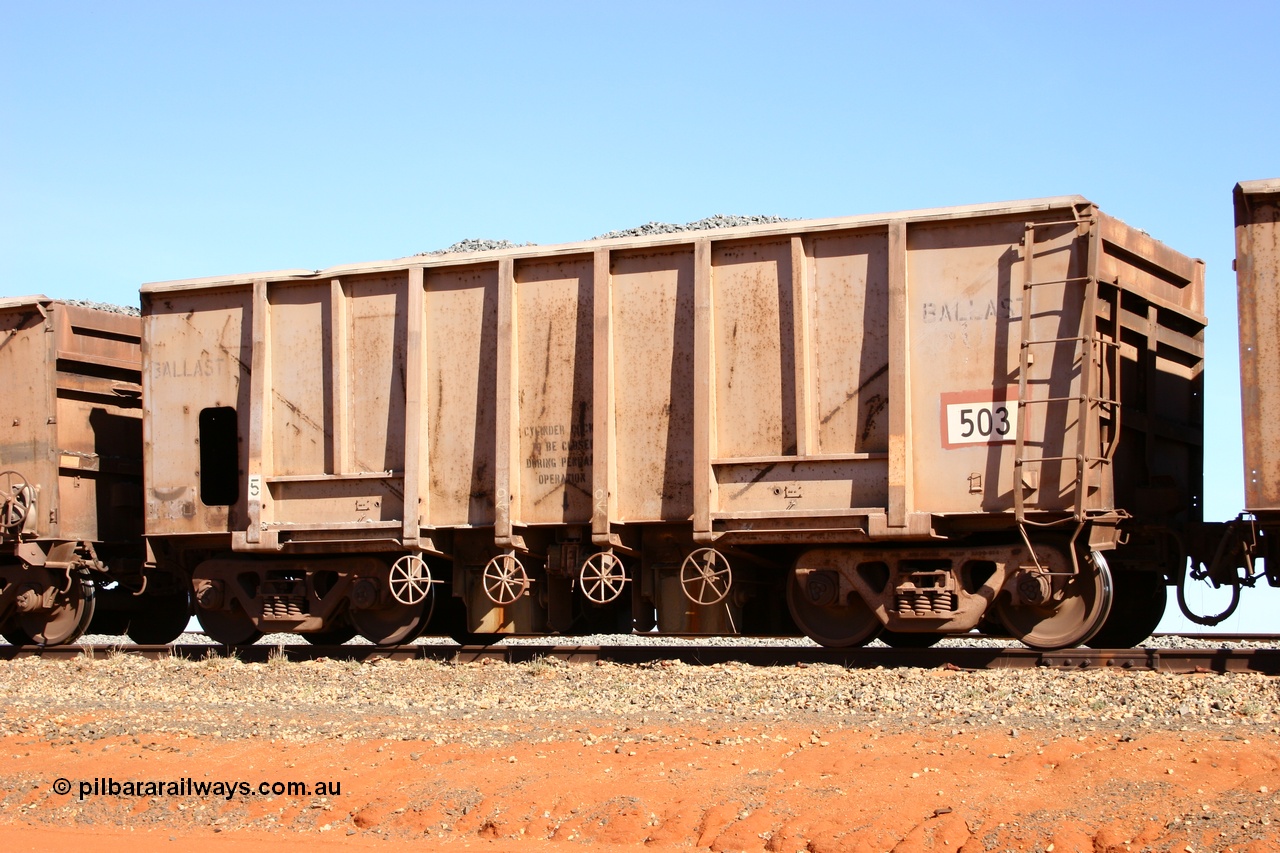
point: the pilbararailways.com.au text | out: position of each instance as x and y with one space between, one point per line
188 787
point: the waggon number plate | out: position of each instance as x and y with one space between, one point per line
978 417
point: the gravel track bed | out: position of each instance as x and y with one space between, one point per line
1165 641
225 697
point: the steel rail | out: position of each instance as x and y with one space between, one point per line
1173 660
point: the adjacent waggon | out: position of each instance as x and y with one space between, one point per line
1227 555
904 426
71 486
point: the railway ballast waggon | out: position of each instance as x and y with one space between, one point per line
905 426
902 426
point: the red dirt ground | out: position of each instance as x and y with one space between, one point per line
756 787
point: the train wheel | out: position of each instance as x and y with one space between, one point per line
108 623
910 639
229 627
337 633
65 621
1065 622
1140 600
393 625
835 626
463 638
162 620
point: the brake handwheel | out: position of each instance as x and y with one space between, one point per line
602 577
410 579
15 492
706 577
505 579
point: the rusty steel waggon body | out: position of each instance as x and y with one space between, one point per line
71 449
905 425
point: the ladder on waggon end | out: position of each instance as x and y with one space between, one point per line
1092 351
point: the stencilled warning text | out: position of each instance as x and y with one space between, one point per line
559 453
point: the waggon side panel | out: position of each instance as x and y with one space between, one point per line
1257 205
801 358
461 378
964 284
553 408
378 353
754 350
652 377
337 400
300 392
848 286
198 352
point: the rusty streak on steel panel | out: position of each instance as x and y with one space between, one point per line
413 410
703 383
506 442
259 410
900 502
603 473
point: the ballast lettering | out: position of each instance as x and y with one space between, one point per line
189 368
967 310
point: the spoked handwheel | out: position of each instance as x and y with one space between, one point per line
228 627
1071 615
706 577
63 623
824 617
602 578
16 494
505 580
410 579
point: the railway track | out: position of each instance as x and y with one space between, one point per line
1177 660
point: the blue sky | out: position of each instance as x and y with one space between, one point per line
151 141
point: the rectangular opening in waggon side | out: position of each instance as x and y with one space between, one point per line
219 456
